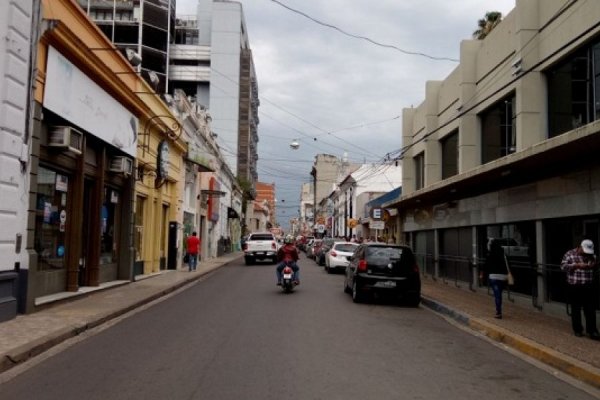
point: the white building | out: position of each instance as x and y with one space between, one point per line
15 69
356 190
212 61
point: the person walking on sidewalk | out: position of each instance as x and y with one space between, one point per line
580 265
193 251
495 268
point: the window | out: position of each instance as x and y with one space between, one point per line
109 226
419 161
498 130
450 155
138 236
51 219
574 91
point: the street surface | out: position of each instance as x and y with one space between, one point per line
235 335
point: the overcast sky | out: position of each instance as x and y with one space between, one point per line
334 93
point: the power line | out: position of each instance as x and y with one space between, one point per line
388 46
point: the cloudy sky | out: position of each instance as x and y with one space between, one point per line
334 93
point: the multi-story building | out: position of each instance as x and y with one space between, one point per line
15 96
211 61
506 147
145 27
305 220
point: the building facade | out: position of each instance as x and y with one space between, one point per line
104 162
15 97
506 148
145 26
212 62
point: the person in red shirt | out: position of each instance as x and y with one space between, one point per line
193 250
288 254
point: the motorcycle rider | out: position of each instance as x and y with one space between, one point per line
288 255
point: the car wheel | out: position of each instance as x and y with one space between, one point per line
413 300
248 260
357 295
329 270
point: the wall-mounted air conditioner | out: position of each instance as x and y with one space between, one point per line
65 137
121 165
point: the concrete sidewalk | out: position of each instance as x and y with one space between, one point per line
545 338
540 336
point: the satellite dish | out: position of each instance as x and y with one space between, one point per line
294 145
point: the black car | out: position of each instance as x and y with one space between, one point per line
383 269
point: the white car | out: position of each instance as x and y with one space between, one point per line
337 256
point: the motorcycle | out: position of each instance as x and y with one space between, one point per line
288 283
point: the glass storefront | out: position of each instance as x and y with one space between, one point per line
51 219
518 242
109 226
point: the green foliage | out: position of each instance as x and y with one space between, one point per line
487 24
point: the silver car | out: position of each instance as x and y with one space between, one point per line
337 256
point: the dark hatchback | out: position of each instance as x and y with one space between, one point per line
385 269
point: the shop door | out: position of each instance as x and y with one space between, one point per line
87 233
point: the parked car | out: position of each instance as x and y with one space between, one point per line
337 256
325 246
303 242
383 269
309 247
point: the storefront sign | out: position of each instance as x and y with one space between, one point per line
162 160
75 97
205 161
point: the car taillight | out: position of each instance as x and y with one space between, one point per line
416 269
362 265
273 245
245 247
333 253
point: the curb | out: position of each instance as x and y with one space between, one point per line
577 369
29 350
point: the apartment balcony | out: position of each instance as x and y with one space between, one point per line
189 73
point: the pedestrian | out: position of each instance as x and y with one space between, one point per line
580 266
193 251
497 273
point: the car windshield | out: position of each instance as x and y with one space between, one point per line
347 247
261 237
380 255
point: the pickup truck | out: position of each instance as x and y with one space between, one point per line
260 246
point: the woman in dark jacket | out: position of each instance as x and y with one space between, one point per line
495 268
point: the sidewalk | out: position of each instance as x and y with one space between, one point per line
542 337
545 338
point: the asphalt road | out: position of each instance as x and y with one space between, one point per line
235 335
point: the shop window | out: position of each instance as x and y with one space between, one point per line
561 235
138 234
498 130
455 248
518 242
109 226
51 219
574 90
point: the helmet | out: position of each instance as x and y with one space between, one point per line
288 239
